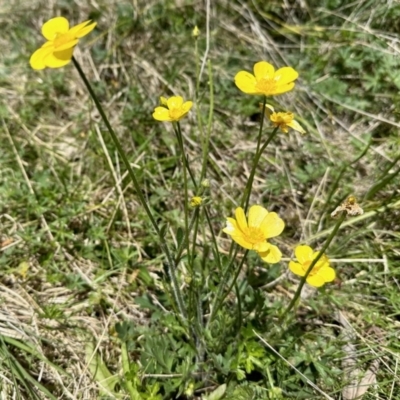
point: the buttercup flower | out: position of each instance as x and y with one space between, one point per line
321 272
253 233
195 201
284 120
172 109
266 81
61 40
195 32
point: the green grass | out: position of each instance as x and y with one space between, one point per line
86 305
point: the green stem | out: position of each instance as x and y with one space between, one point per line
218 300
184 243
197 64
233 280
320 254
249 185
214 239
239 317
384 179
178 133
261 124
206 142
142 199
195 231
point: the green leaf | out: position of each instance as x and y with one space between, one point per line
100 372
217 394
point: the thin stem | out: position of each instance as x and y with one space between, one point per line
233 280
247 192
218 300
261 124
178 133
197 65
239 318
384 179
249 185
320 254
206 142
142 199
195 231
214 239
118 146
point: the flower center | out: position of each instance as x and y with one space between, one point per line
254 235
62 38
176 113
266 85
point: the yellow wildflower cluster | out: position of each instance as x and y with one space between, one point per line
254 232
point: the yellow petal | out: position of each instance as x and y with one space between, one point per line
246 82
82 29
175 102
272 225
241 219
303 254
163 101
53 26
241 240
187 106
327 273
272 256
262 247
161 114
67 45
323 262
269 110
286 75
296 268
257 215
37 58
231 227
264 70
58 59
296 126
284 128
315 280
283 88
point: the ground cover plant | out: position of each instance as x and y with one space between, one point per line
199 200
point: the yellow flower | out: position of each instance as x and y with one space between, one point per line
173 109
61 40
195 32
195 201
253 233
266 81
284 120
321 272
